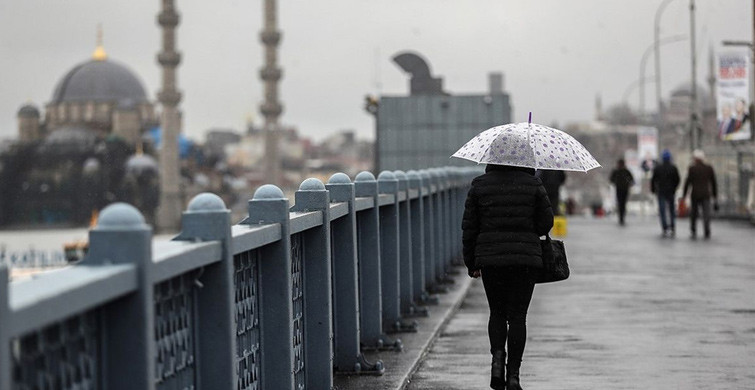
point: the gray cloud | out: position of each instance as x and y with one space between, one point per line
556 55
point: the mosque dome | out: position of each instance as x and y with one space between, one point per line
99 80
139 163
69 139
28 111
684 92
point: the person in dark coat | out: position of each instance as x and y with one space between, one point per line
506 211
702 180
664 183
623 180
552 181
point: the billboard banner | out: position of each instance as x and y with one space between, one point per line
647 143
733 95
634 165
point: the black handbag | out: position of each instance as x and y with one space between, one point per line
555 267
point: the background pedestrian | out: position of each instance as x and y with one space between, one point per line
664 183
506 212
552 181
622 180
702 180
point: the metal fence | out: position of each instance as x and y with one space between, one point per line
282 300
734 173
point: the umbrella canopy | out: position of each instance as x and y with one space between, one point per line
528 145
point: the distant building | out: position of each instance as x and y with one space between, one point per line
342 152
100 97
85 150
218 139
423 129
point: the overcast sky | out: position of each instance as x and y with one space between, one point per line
556 55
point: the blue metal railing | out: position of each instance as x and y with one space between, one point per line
281 300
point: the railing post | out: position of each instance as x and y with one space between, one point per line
370 276
440 271
461 196
405 259
429 230
5 366
456 221
269 206
347 356
318 305
207 219
419 257
122 237
451 212
446 194
451 183
390 242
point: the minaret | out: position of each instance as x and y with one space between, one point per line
271 108
598 108
169 210
711 73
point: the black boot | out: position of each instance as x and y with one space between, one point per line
512 379
498 370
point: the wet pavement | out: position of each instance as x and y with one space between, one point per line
638 312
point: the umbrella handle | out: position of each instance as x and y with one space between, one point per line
530 120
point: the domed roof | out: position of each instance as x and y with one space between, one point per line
684 91
28 111
99 80
69 139
139 163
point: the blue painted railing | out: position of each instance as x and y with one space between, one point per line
282 300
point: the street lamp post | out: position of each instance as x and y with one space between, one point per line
657 34
693 125
643 62
635 84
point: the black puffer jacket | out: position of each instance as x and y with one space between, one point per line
506 212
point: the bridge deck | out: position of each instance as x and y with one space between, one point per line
639 311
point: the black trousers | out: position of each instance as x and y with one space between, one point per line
621 203
509 292
697 205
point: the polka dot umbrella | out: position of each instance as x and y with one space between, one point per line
529 145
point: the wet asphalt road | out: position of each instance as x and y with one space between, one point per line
638 312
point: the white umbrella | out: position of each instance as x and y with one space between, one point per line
528 145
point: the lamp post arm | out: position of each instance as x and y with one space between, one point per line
643 65
657 34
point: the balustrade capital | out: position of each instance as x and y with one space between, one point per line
121 236
341 188
414 179
365 185
268 205
206 218
403 180
387 183
312 195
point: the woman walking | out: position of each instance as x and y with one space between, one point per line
506 211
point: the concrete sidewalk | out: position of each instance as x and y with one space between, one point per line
401 365
639 312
